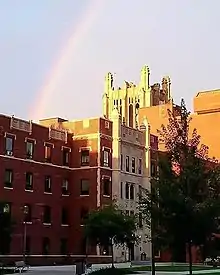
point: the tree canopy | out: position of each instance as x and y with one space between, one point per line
109 226
184 201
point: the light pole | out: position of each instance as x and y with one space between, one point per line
25 232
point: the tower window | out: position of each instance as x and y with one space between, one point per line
127 163
133 165
131 116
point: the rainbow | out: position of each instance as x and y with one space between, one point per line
44 95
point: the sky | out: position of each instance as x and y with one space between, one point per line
54 54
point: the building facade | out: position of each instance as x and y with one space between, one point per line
131 98
51 178
130 174
92 171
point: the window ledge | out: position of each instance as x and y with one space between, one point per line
65 195
82 225
48 193
8 188
107 196
31 191
84 195
65 225
27 222
47 223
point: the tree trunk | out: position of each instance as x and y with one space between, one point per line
112 252
178 251
190 257
153 268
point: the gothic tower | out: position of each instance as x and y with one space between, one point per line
127 99
130 98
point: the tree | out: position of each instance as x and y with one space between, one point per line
184 200
108 226
5 228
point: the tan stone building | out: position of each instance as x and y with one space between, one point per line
130 173
131 98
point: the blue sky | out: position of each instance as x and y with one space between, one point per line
176 38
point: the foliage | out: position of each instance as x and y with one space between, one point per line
184 201
5 230
109 224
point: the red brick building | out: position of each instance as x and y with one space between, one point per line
52 175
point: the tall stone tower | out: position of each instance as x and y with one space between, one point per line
130 98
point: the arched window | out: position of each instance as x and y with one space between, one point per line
127 191
131 116
131 192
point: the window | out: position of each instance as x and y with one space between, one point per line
131 191
156 251
121 163
133 165
65 187
8 178
47 184
47 214
46 246
9 144
6 208
122 190
106 187
29 149
85 157
84 246
27 213
127 163
127 191
64 217
153 169
29 181
140 220
28 245
106 158
63 246
66 154
84 187
107 124
132 213
83 215
48 153
139 166
127 212
120 110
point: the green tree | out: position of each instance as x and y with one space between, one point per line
5 228
184 201
108 226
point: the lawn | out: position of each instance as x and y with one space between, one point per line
134 270
174 268
6 271
113 271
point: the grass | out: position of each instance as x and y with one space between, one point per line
6 271
174 268
135 270
113 271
